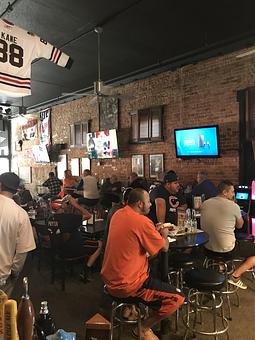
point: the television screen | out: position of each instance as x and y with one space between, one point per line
198 142
102 144
40 154
242 196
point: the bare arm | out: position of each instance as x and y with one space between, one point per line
160 209
164 233
239 223
18 263
85 214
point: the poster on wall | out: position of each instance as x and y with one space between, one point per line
29 130
45 127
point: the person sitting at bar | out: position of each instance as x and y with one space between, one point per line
69 183
220 216
132 237
54 186
204 186
23 197
166 199
68 218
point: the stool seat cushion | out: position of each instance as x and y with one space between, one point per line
204 279
182 260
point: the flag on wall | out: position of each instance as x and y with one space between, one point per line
45 128
29 130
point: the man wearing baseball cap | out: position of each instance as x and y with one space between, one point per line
16 235
166 199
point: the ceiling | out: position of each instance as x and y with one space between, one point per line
140 37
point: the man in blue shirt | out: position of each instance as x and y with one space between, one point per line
204 187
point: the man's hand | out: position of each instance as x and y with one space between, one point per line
164 232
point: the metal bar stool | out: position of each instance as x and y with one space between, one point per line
117 319
178 263
226 267
205 296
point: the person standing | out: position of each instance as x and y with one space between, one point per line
204 186
90 189
54 186
132 238
16 235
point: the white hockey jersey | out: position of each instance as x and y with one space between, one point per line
18 48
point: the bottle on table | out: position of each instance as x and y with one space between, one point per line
26 316
44 322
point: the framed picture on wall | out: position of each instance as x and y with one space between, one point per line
25 174
156 164
137 165
108 113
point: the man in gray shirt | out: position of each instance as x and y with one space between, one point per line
220 216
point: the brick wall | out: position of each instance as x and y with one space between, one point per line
200 94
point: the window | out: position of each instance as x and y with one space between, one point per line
78 134
146 125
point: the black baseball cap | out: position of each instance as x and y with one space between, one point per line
10 180
170 177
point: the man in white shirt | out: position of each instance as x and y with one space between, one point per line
16 235
220 216
90 189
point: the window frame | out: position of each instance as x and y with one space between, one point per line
136 119
84 129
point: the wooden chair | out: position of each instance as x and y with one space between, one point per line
58 240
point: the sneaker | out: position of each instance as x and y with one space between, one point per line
237 282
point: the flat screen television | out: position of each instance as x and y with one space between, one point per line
102 144
196 142
244 196
40 154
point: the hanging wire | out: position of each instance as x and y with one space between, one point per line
9 8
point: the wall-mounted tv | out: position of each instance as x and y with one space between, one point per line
201 141
102 144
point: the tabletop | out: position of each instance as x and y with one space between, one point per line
189 240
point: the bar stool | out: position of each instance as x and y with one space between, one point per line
178 263
226 266
205 296
117 319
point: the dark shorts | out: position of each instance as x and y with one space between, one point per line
160 296
243 249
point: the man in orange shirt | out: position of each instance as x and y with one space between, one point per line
132 238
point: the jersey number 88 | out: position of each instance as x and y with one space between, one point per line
13 54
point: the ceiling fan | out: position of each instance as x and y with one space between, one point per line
100 89
245 54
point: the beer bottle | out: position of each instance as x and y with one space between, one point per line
44 322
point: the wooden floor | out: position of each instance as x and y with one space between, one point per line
81 301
